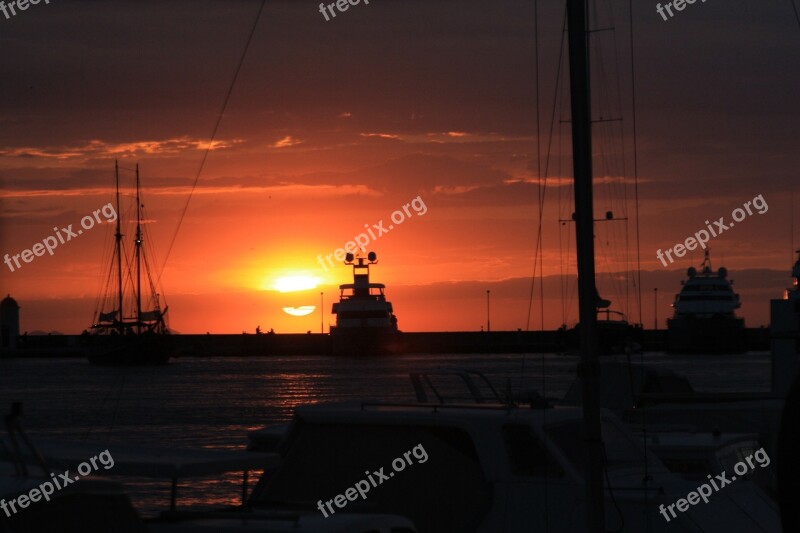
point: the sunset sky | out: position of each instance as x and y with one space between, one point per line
334 125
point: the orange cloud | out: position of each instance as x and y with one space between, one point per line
101 149
286 142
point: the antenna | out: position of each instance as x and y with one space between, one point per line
791 226
138 256
118 247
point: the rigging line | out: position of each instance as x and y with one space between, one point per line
796 14
638 247
542 190
546 167
539 171
635 170
213 136
624 185
791 229
107 257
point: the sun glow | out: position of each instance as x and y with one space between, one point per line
295 283
303 310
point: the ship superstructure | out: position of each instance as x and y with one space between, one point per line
365 320
705 318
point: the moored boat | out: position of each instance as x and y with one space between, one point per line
704 320
365 320
134 331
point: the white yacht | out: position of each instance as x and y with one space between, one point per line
365 320
490 467
704 320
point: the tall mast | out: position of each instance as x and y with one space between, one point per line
118 250
138 256
580 97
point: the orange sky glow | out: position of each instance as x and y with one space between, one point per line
332 128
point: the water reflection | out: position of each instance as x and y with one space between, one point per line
214 402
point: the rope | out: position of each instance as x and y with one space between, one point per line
796 14
638 253
213 136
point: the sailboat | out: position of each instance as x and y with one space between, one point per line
129 329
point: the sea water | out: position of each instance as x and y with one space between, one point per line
214 402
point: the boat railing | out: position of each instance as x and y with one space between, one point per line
471 379
436 407
479 388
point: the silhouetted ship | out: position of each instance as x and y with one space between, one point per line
365 320
127 335
704 320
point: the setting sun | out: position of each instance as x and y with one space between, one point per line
295 283
303 310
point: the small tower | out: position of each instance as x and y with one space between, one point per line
9 323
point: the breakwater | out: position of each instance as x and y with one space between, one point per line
457 342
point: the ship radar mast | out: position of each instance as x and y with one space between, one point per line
706 265
361 271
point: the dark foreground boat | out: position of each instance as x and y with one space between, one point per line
365 320
127 335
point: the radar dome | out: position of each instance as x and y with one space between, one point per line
692 272
722 272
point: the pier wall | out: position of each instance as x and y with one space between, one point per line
280 344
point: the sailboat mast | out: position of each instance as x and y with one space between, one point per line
138 256
118 250
580 97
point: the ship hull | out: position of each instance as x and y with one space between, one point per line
366 342
706 335
129 350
